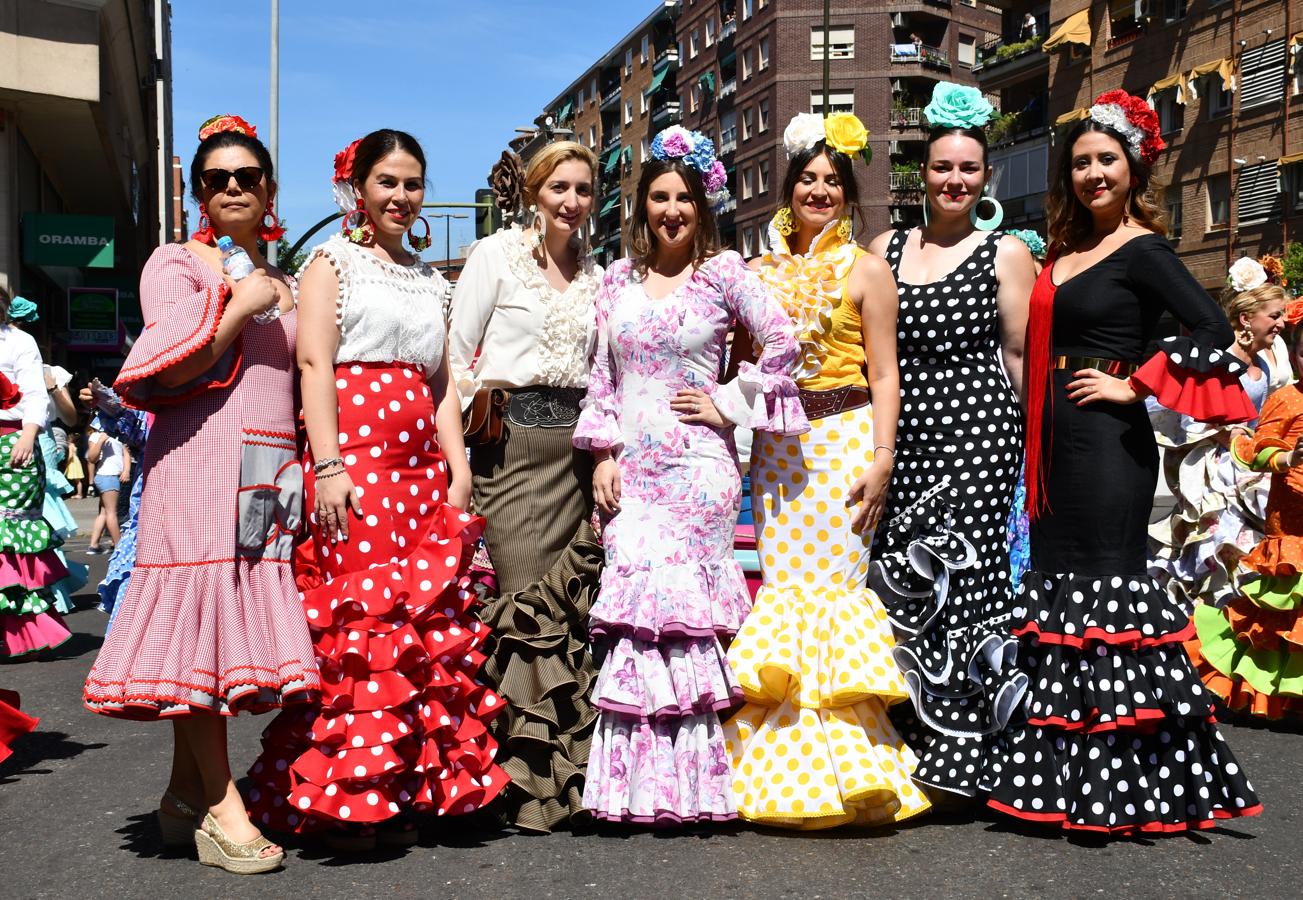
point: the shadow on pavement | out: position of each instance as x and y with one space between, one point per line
38 747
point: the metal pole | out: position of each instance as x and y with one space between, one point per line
447 247
273 128
827 19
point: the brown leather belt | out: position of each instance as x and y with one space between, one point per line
1108 366
819 404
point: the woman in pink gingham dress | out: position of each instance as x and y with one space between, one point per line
212 624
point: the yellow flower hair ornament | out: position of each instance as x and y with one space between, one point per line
843 132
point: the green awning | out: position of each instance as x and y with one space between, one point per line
609 205
627 155
612 159
707 80
564 114
658 78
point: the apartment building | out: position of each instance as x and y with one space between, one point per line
615 108
1225 78
748 66
88 183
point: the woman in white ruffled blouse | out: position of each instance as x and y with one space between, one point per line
525 305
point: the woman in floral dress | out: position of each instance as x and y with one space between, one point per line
659 424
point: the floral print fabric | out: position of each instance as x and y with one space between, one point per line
671 589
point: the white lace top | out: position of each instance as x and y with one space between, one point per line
386 312
526 331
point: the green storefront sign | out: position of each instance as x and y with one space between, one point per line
53 239
93 318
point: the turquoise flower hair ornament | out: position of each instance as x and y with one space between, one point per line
1035 243
957 106
697 152
23 310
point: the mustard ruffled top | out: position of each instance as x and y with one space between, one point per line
814 289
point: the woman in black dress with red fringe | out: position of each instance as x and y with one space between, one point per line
1120 736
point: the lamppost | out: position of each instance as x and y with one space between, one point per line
447 240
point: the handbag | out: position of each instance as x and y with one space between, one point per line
483 419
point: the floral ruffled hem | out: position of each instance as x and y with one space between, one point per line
762 401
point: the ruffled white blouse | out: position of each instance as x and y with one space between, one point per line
526 332
386 312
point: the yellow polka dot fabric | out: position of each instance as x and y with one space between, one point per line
813 747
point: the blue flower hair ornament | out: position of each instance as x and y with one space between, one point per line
957 106
23 310
698 152
1035 243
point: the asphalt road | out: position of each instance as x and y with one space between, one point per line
76 804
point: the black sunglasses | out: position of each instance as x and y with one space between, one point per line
247 177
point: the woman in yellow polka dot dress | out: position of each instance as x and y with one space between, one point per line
813 747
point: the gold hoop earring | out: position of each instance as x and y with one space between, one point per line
1244 337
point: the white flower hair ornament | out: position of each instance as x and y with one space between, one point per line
1247 274
698 152
843 132
1134 119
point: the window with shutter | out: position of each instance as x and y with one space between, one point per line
1257 192
1262 74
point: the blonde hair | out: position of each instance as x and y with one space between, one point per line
1245 303
545 162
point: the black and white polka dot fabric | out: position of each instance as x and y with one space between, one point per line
960 428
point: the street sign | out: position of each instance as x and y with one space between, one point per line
93 319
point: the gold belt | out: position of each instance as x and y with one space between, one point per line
1107 366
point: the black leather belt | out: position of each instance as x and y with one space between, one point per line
545 407
819 404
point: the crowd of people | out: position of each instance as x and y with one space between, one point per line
493 569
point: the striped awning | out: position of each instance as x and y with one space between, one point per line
1223 68
1176 81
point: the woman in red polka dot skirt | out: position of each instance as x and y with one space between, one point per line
403 723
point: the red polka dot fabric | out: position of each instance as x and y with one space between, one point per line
403 722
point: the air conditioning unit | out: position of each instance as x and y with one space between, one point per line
899 20
897 86
894 147
897 217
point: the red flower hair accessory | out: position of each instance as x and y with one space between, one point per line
1134 119
342 183
1294 312
226 122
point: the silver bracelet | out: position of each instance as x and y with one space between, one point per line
322 465
891 450
321 475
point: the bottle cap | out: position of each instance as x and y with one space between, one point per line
224 242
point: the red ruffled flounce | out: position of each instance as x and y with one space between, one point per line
403 725
13 723
1215 396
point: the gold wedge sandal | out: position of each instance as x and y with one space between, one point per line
177 830
216 849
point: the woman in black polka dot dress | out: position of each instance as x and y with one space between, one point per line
1119 735
941 560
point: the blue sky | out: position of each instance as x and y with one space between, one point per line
460 76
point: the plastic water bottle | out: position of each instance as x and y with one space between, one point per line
237 265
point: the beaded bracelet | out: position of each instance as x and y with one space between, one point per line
324 464
321 475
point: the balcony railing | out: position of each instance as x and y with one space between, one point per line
728 206
669 56
999 51
922 54
909 117
728 29
1122 32
727 144
905 182
669 110
611 141
611 97
728 88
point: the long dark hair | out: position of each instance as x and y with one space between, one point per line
642 241
379 144
217 142
5 300
841 163
1069 223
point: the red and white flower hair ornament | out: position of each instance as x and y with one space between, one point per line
226 122
342 183
1134 119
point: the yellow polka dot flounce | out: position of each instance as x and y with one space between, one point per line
813 747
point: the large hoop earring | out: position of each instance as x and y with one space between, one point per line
422 243
271 227
358 227
204 233
784 223
991 222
